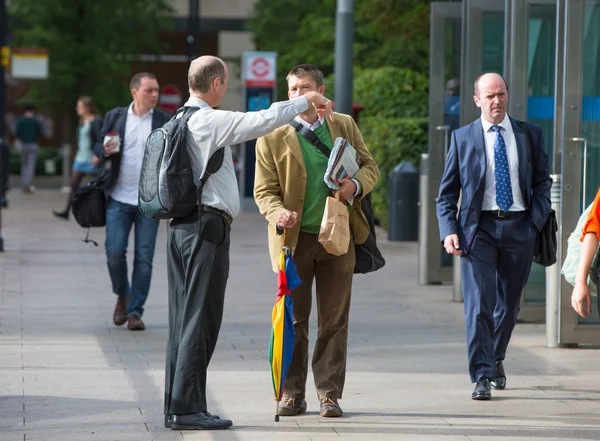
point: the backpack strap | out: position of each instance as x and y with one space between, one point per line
311 137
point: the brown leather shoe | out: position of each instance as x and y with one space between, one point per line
292 406
330 408
120 314
135 323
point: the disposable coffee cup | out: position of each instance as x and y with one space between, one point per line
114 137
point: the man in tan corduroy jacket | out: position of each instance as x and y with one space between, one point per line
290 193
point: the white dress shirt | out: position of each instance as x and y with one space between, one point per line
137 130
489 196
210 130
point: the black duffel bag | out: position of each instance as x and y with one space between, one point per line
89 204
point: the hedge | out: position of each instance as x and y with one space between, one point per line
387 92
44 153
391 141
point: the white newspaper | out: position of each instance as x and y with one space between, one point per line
343 162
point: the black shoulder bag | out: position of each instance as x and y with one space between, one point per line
89 202
368 256
544 252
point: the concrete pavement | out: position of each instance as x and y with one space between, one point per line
67 373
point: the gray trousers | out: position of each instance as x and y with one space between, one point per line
197 271
28 161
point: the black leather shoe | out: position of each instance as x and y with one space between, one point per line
199 421
483 389
500 381
168 420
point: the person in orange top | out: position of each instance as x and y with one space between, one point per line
581 299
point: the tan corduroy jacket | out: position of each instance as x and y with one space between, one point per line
280 180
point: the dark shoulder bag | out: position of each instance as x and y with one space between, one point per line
89 201
368 256
545 244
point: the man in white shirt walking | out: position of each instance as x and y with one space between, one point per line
133 124
198 255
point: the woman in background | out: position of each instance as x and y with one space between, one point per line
85 162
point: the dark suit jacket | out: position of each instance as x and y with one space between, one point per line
115 119
465 169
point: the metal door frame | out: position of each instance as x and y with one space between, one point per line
433 272
570 331
517 75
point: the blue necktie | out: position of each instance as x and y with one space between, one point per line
504 196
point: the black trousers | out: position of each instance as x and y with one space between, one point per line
197 270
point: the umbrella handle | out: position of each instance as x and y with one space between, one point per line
285 236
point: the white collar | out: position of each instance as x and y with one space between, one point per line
130 111
318 123
505 123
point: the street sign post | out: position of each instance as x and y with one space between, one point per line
259 73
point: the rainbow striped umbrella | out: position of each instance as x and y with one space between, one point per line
282 332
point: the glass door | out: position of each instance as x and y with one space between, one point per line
444 112
580 142
531 77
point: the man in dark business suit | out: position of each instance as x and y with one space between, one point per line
133 124
505 201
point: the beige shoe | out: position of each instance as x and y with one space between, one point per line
292 406
330 408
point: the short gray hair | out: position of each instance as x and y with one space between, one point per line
201 79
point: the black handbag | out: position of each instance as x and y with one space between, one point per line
368 257
544 252
89 204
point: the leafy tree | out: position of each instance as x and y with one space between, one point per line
90 45
387 33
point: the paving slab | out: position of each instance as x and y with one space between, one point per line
67 373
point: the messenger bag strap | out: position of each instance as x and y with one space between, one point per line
311 137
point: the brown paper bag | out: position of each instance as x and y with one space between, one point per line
335 227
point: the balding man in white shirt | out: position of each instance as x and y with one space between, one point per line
198 255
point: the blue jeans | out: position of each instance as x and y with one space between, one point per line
119 219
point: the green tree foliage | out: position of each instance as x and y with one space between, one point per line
391 141
90 44
387 33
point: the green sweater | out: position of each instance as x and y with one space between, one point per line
316 191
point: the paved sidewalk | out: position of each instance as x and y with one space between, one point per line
67 373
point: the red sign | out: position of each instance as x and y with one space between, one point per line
259 70
260 67
170 98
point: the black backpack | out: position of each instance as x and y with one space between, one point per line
167 188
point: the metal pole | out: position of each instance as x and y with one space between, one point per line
65 153
457 294
4 157
553 276
423 217
344 39
193 37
